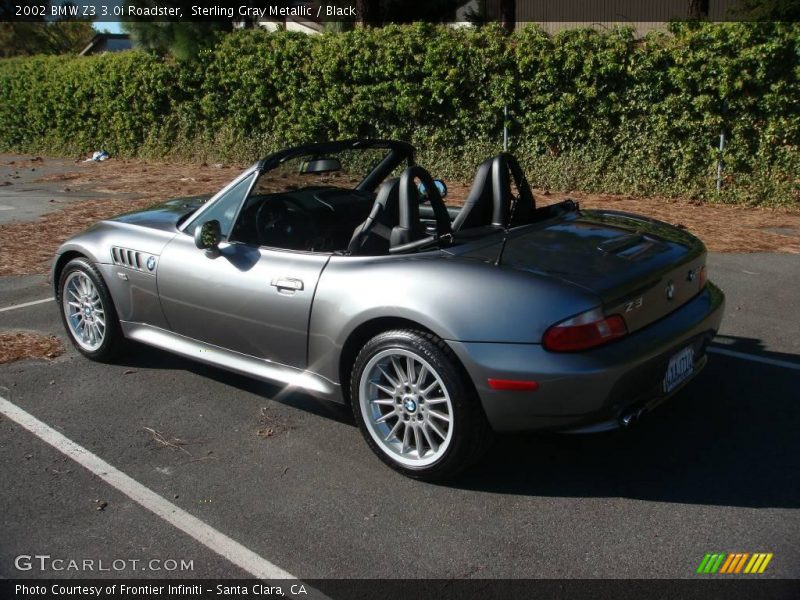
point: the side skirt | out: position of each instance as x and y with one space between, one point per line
264 370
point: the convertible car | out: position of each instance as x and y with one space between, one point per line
338 270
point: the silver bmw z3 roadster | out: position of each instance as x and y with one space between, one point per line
337 269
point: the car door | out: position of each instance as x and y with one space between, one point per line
251 300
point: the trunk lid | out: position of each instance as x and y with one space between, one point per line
640 268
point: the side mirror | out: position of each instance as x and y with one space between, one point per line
208 235
440 185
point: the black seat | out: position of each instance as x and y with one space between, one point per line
394 224
490 202
479 207
372 237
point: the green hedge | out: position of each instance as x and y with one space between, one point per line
598 111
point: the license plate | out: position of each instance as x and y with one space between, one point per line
679 369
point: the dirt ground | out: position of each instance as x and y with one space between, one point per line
28 247
722 227
19 345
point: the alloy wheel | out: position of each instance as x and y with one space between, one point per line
84 311
406 407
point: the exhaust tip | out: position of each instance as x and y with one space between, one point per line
629 419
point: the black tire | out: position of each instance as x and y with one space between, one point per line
113 341
469 435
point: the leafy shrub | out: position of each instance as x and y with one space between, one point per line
600 111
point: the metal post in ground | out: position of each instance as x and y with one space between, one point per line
719 161
505 128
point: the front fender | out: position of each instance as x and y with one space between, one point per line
132 290
90 243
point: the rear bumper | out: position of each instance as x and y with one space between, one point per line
593 390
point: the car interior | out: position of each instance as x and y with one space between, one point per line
405 213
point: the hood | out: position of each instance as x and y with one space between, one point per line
164 216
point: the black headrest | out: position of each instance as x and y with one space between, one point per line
490 200
478 206
410 227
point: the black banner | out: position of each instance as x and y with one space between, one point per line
418 589
378 12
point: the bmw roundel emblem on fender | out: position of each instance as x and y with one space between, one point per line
670 290
151 263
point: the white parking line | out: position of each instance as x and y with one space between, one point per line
755 358
220 543
24 304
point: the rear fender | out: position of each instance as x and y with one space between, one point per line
463 300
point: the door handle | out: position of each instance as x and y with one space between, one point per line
287 283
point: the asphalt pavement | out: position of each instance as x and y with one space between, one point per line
290 479
31 187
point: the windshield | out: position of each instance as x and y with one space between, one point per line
312 201
344 169
309 198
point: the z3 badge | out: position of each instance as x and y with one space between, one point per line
633 304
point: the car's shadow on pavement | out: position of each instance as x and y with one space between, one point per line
731 438
144 357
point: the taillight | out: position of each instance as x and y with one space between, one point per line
702 276
584 331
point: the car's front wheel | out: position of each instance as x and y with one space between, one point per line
88 312
415 407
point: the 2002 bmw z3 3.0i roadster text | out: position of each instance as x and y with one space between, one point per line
338 270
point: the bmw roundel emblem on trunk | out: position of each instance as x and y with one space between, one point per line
670 290
151 263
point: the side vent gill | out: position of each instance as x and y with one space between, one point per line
127 258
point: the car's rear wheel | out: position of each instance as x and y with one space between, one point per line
88 312
415 406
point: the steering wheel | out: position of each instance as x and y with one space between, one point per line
271 223
280 227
